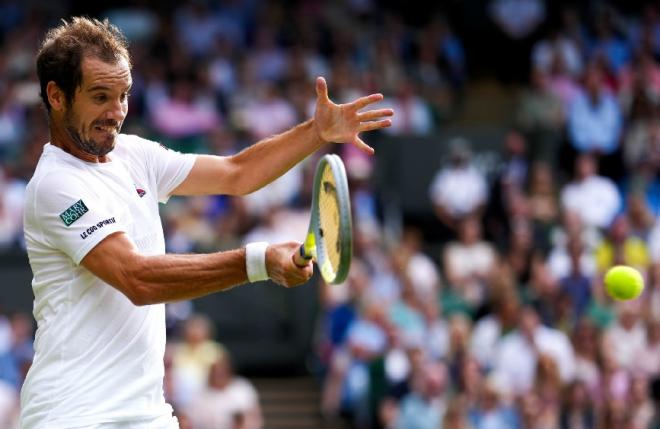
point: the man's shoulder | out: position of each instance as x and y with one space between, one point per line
131 142
134 147
52 176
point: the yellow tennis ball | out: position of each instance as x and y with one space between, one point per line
623 282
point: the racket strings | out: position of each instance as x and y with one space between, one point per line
329 217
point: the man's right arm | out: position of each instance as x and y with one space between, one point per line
166 278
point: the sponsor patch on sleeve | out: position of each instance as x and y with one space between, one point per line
73 213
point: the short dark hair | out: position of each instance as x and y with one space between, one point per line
61 54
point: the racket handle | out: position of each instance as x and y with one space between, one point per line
301 258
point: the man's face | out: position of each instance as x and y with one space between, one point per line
99 105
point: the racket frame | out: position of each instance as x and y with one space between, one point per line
314 244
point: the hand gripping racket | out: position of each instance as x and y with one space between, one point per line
329 240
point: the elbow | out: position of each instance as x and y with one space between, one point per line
137 292
140 299
135 288
240 181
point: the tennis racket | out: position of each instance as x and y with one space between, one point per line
329 240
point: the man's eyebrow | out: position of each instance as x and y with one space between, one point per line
98 88
105 88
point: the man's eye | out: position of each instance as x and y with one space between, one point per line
125 96
100 97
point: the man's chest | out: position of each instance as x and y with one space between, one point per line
133 202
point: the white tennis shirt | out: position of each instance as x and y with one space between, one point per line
98 358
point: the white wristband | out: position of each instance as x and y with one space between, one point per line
255 261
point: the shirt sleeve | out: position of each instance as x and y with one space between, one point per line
73 218
168 167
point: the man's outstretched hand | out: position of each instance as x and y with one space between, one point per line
342 123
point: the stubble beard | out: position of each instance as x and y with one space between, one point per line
88 146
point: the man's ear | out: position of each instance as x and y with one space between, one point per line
56 96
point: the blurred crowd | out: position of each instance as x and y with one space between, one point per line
501 324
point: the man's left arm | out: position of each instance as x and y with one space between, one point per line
265 161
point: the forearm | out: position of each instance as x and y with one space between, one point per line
270 158
168 278
165 278
252 168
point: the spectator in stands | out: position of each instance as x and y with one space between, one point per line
543 203
458 190
594 116
647 362
450 52
541 116
12 192
627 335
572 228
562 84
267 103
578 410
639 85
640 218
193 357
620 247
268 62
595 198
468 262
490 329
413 112
557 46
640 402
585 340
469 380
542 293
517 354
492 411
185 115
437 331
507 204
417 267
13 121
456 416
347 384
227 402
577 284
652 293
424 406
197 27
607 43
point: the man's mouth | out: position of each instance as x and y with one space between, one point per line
110 129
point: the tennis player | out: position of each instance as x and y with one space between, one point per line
95 240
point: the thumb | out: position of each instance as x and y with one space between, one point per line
322 89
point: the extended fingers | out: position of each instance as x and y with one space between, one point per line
360 144
363 102
374 114
374 125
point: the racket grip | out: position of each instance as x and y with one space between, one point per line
301 258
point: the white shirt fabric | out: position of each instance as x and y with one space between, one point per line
485 335
468 259
546 51
626 344
98 358
459 190
215 409
515 360
596 199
